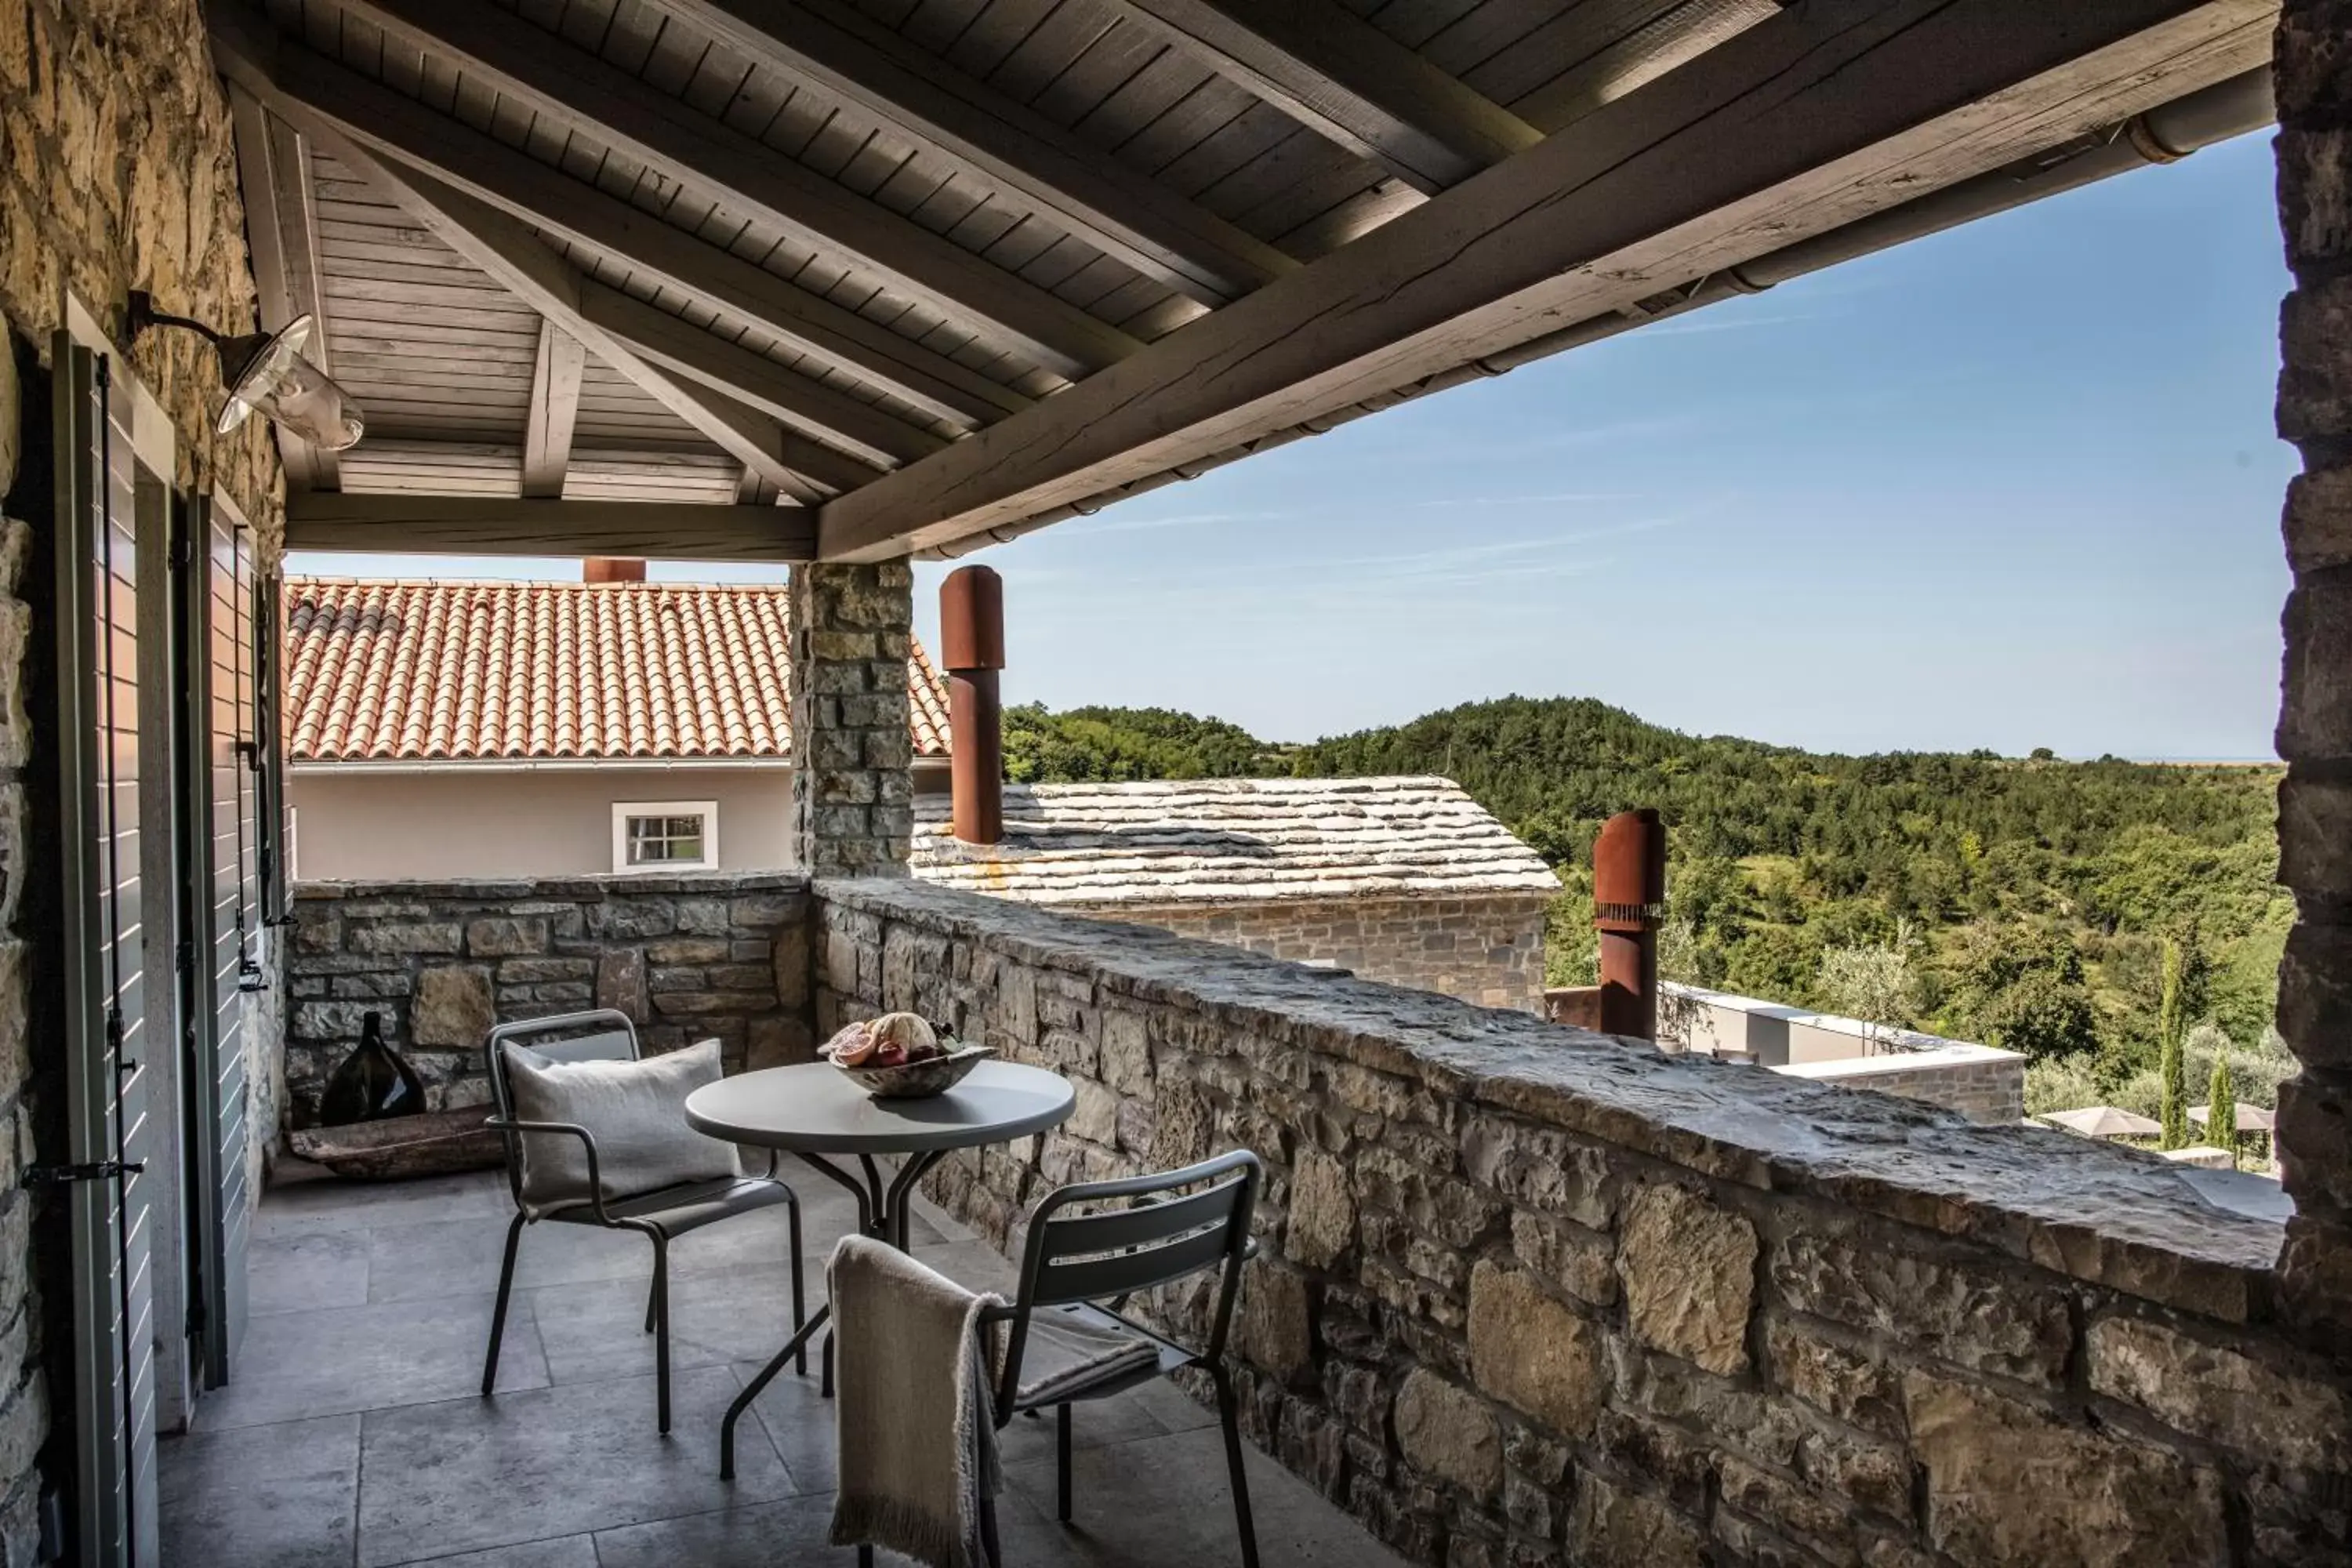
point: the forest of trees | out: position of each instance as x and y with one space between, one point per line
2025 902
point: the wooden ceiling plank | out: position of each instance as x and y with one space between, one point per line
1119 211
633 117
676 344
1828 112
582 214
1336 73
1642 56
554 410
503 525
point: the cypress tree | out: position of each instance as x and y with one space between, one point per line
2222 1109
2170 1039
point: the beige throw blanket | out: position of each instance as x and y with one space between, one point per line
911 1414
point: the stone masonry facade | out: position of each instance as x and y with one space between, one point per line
686 958
119 172
853 792
1487 949
1530 1296
2315 732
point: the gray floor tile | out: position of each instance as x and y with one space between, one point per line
292 1270
791 1534
333 1361
470 1473
266 1497
322 1202
1165 1501
596 1329
569 1551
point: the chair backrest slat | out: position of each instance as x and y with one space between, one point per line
1124 1273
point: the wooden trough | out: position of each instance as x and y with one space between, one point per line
435 1143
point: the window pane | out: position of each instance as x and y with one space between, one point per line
664 841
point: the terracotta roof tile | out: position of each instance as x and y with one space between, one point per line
392 671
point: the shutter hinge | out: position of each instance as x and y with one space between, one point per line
114 1028
95 1170
250 976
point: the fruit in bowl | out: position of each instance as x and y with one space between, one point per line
899 1057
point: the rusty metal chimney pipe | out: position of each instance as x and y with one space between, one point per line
971 646
1629 900
612 569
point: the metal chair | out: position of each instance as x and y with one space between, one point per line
608 1035
1180 1223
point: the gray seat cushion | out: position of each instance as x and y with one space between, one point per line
635 1111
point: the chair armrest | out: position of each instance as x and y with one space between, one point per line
587 1141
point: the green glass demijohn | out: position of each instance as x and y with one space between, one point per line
374 1081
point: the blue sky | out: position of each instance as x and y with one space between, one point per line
2013 486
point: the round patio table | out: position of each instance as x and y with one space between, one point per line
815 1110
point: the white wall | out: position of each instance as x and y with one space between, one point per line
488 821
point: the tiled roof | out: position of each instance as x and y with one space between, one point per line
465 671
1224 841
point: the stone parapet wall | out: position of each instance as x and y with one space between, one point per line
686 958
1489 949
1533 1296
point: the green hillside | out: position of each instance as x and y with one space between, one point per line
2022 901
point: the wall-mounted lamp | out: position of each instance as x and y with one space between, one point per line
265 373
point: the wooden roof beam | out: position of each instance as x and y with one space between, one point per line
1079 188
1677 34
516 259
1336 74
674 138
281 234
554 410
493 525
372 115
1821 115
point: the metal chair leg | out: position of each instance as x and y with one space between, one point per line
800 1305
660 1309
653 1303
825 1385
1062 1461
988 1543
498 1314
1229 1414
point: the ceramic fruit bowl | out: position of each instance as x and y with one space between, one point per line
919 1079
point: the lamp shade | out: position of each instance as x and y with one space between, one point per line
265 373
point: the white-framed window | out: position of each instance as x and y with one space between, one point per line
665 834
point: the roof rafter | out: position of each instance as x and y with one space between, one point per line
1788 128
554 409
555 203
492 525
633 117
1117 210
1336 74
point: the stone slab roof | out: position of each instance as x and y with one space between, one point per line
1232 841
390 671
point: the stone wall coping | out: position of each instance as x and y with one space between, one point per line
606 885
2117 1218
1953 1055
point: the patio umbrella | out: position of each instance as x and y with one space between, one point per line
2104 1121
2251 1117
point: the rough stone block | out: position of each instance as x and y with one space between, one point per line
1094 1118
1689 1274
2313 68
407 938
2314 1139
621 982
1578 1260
1945 1308
1859 1390
1322 1209
2316 699
2221 1394
2007 1484
1532 1352
1274 1323
2318 519
1449 1433
1615 1527
1126 1051
2315 194
331 1021
453 1006
631 919
504 936
2315 389
1540 1166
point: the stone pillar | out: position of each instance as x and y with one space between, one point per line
852 631
2314 734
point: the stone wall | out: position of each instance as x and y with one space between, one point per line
118 174
1530 1296
1484 950
686 958
2315 732
853 628
1980 1082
